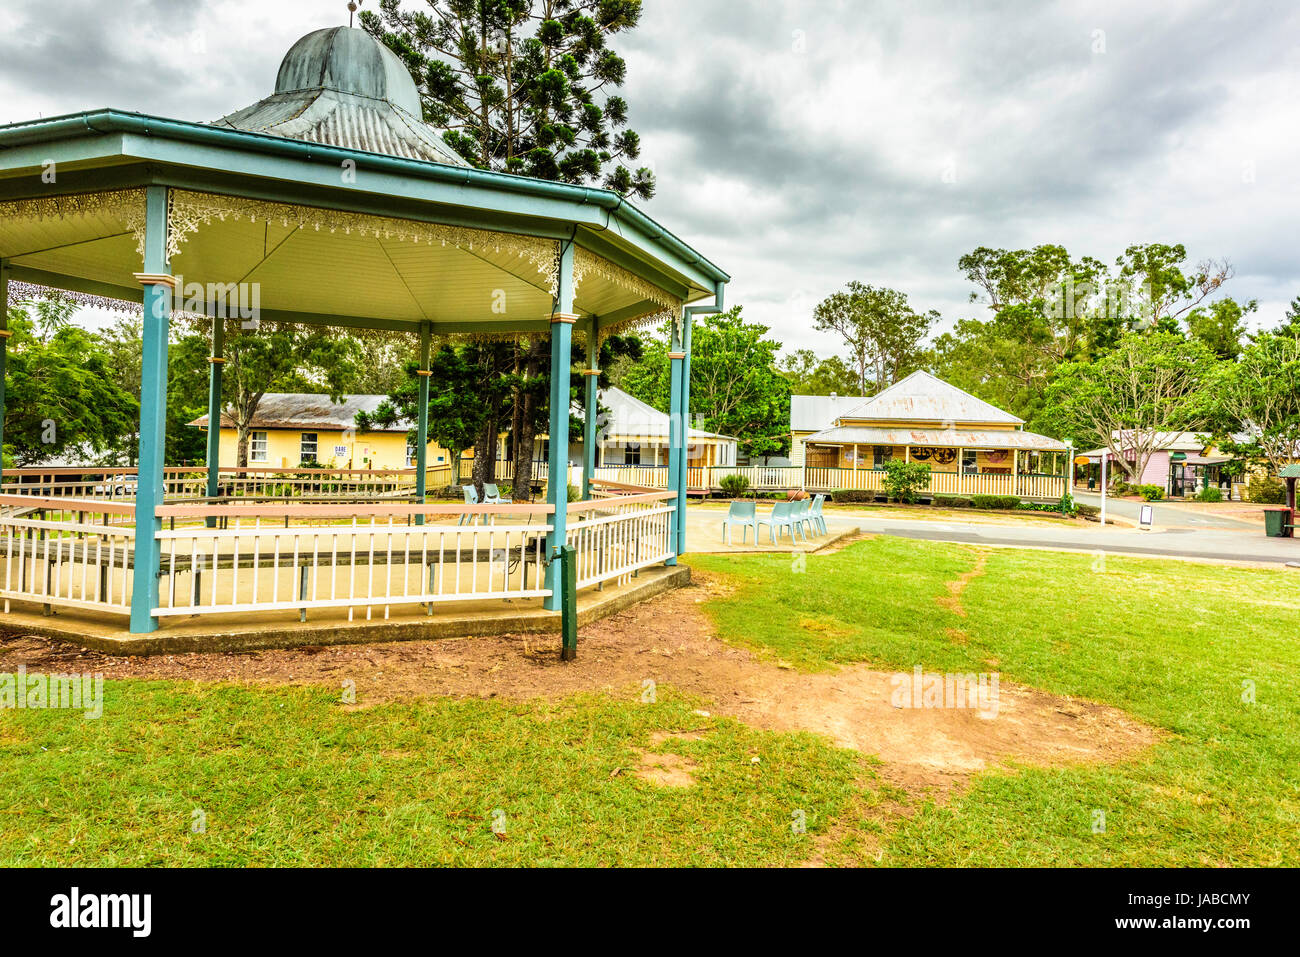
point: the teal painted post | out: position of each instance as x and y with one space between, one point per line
682 498
557 484
422 423
591 375
676 438
157 302
216 362
4 342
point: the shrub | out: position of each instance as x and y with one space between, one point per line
1090 512
1067 505
1122 488
852 495
1266 490
951 501
904 480
734 486
1151 493
1210 494
996 501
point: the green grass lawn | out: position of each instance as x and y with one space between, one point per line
292 776
1171 643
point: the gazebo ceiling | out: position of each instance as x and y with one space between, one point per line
330 234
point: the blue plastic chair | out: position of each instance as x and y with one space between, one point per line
744 514
471 498
782 517
492 496
799 512
815 514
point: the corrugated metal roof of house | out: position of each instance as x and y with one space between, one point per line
938 438
927 398
812 413
629 416
305 410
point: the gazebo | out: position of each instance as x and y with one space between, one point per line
331 204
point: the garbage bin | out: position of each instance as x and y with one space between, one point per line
1277 522
1092 483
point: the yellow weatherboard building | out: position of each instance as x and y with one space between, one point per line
292 429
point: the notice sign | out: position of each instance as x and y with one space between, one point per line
1148 515
340 451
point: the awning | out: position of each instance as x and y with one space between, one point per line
937 438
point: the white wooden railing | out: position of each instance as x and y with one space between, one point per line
614 537
65 552
368 557
1026 485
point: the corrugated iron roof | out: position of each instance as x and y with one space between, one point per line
629 417
926 398
812 413
299 410
938 438
626 416
341 87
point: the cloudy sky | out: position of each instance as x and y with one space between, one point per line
802 144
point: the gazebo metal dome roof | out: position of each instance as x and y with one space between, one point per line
339 86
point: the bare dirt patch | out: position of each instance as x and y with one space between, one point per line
670 641
952 601
666 768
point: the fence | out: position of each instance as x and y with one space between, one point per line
75 554
1025 485
240 558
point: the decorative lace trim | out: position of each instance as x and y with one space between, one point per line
191 210
669 307
27 292
126 205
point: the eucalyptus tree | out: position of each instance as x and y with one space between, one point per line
881 330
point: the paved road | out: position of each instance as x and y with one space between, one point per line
1240 543
1166 515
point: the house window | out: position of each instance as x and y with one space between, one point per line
880 455
257 447
632 453
307 449
546 451
969 462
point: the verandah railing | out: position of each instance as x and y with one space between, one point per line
1025 485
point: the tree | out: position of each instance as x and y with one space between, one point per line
883 333
1157 290
1221 326
277 358
809 375
61 391
1126 400
1260 396
454 423
524 86
736 388
1291 321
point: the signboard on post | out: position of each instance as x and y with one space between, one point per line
1147 516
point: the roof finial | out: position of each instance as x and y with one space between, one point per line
352 9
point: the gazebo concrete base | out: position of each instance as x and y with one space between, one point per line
272 630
